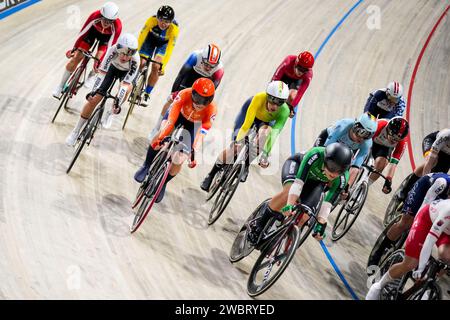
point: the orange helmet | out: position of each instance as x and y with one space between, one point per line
203 91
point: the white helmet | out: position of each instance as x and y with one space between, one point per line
127 44
277 92
395 90
211 55
110 11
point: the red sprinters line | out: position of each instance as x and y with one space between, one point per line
411 83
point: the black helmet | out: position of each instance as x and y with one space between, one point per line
166 13
338 157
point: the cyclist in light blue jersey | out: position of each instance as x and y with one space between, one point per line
354 133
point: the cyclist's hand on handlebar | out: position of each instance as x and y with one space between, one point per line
291 110
387 188
287 210
70 53
319 231
418 274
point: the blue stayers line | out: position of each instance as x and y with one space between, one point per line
327 253
14 9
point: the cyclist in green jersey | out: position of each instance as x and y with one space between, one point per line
304 178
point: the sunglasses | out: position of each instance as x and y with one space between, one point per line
301 69
275 100
107 21
165 21
127 51
362 133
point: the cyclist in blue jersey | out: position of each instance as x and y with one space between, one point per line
355 134
386 103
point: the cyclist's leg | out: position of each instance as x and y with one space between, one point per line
153 77
226 156
413 246
380 154
310 197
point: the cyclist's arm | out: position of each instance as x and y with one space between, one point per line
362 153
87 24
395 158
276 129
440 224
206 125
149 24
339 129
186 69
249 117
129 78
174 113
375 98
337 186
217 77
431 161
279 73
301 89
439 185
170 46
311 158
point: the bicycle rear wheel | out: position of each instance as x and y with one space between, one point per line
277 254
217 182
68 92
84 136
342 224
225 194
134 98
153 189
241 247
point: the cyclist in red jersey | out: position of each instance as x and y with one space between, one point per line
296 72
389 144
102 25
431 226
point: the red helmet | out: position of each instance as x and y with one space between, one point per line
305 59
203 91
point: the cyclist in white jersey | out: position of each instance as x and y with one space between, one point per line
120 62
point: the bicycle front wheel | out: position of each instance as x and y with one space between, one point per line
68 92
225 194
84 136
273 260
152 192
135 96
241 247
349 212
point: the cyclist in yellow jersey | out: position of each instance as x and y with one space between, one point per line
157 39
268 112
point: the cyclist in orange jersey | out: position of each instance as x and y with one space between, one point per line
197 112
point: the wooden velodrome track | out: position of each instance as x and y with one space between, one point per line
67 236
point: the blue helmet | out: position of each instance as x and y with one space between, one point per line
365 126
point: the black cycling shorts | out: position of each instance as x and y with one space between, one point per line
323 136
290 168
291 83
112 74
379 150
